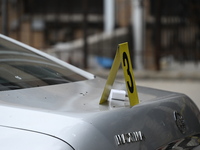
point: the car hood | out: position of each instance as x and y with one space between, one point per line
71 112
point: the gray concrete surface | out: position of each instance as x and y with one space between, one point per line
189 87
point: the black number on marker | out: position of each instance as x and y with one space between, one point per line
130 85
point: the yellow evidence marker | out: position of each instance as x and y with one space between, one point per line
122 57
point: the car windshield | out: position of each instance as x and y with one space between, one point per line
21 68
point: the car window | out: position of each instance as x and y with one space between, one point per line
21 68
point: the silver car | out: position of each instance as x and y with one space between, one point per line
47 104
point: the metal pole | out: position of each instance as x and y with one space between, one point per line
4 17
109 16
158 35
138 32
85 25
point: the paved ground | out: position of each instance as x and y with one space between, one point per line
188 87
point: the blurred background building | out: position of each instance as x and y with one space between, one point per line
79 31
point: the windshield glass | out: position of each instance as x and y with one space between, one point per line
21 68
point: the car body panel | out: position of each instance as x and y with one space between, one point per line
83 122
70 114
12 138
